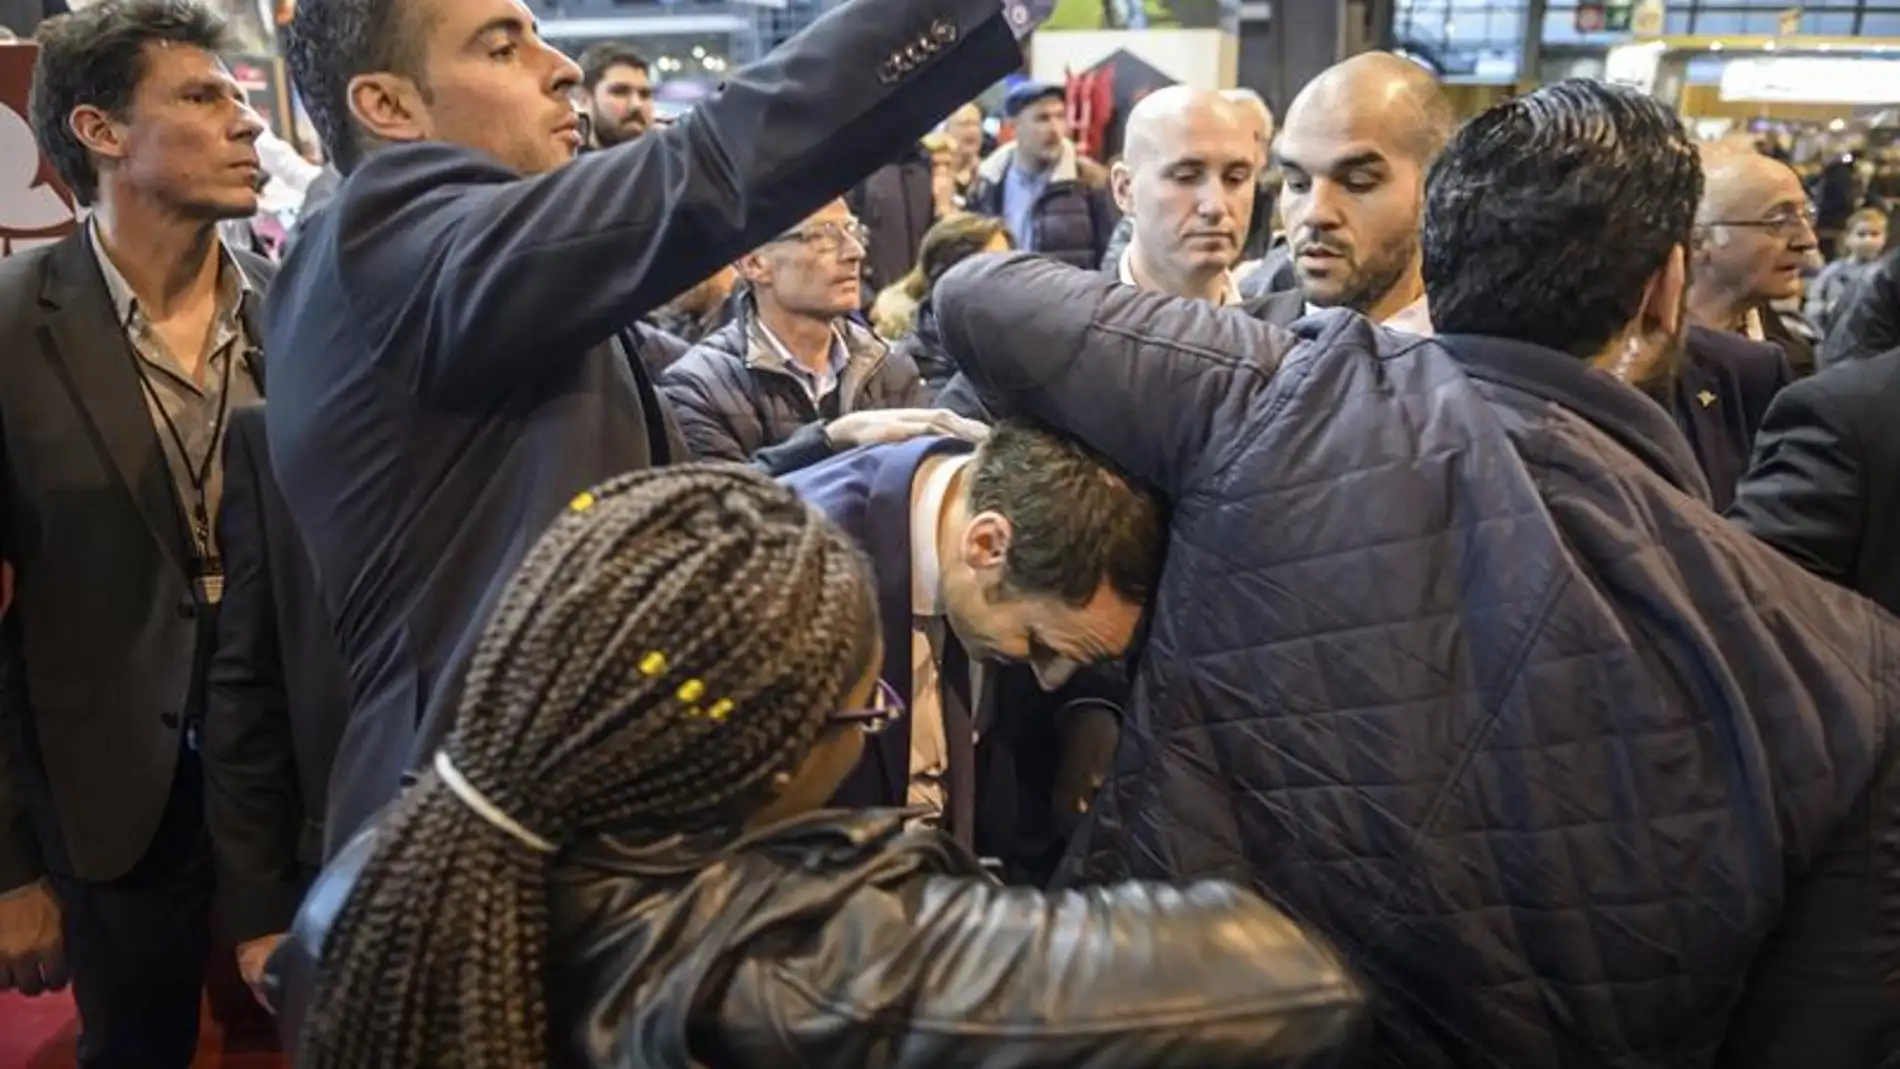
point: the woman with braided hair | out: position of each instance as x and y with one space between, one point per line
619 856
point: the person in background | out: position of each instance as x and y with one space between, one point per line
455 364
277 698
1186 184
123 348
776 384
618 83
699 311
21 18
1354 153
1866 238
903 311
896 206
1053 199
964 127
620 856
1867 322
1754 233
1389 554
1822 487
1266 180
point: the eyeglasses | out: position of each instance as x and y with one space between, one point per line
886 706
1786 221
826 238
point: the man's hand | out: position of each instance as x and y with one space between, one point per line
32 957
251 958
897 424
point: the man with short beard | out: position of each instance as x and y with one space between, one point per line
1354 152
618 83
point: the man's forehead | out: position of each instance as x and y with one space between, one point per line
1202 139
624 73
1752 184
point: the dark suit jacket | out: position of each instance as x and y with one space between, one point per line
446 385
276 698
1824 487
1719 399
105 644
1040 753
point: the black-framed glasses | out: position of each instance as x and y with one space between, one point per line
1786 221
826 238
886 706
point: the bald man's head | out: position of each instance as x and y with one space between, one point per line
1354 151
1754 232
1186 177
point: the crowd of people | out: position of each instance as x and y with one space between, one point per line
797 585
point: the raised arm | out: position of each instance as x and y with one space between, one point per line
1151 382
518 270
959 972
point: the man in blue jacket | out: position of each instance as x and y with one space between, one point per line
451 327
1450 656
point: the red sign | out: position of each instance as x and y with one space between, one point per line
35 209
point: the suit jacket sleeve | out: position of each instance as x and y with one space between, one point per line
1803 491
1152 382
20 862
518 268
251 795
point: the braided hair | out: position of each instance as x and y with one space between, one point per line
672 643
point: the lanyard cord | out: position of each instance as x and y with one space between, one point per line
197 474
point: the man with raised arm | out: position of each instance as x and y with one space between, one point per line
452 327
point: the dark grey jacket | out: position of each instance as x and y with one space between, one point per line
1452 660
735 398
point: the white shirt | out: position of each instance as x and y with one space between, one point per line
1414 318
1229 294
928 751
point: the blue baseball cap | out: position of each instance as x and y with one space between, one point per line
1029 92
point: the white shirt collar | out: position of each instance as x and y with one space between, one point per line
929 492
1414 318
1230 293
819 383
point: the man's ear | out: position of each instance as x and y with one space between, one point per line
1663 297
389 107
1120 179
986 542
754 268
102 135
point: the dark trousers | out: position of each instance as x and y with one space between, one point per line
138 945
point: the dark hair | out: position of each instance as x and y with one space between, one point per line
949 241
674 640
1547 215
96 57
603 57
330 42
1076 522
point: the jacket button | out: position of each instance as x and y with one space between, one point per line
187 610
888 72
943 31
169 719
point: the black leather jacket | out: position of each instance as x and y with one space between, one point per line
841 939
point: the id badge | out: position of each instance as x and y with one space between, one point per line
211 581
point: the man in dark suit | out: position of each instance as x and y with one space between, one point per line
276 702
453 367
1822 488
122 349
1719 396
1008 584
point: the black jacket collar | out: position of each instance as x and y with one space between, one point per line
1635 420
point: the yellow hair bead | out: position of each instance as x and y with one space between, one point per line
652 664
582 502
720 710
691 690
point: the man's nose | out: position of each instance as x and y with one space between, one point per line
567 73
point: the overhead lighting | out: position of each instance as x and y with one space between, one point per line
1715 46
1767 46
1837 125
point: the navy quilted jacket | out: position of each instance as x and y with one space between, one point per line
1451 658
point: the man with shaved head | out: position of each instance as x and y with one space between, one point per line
1357 143
1754 234
1186 179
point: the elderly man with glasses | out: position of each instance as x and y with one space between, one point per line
793 378
1754 237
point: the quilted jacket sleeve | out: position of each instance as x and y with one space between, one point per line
954 972
1152 382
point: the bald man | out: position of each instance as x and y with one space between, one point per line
1354 152
1186 180
1754 234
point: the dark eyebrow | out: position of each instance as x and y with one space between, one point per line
509 24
